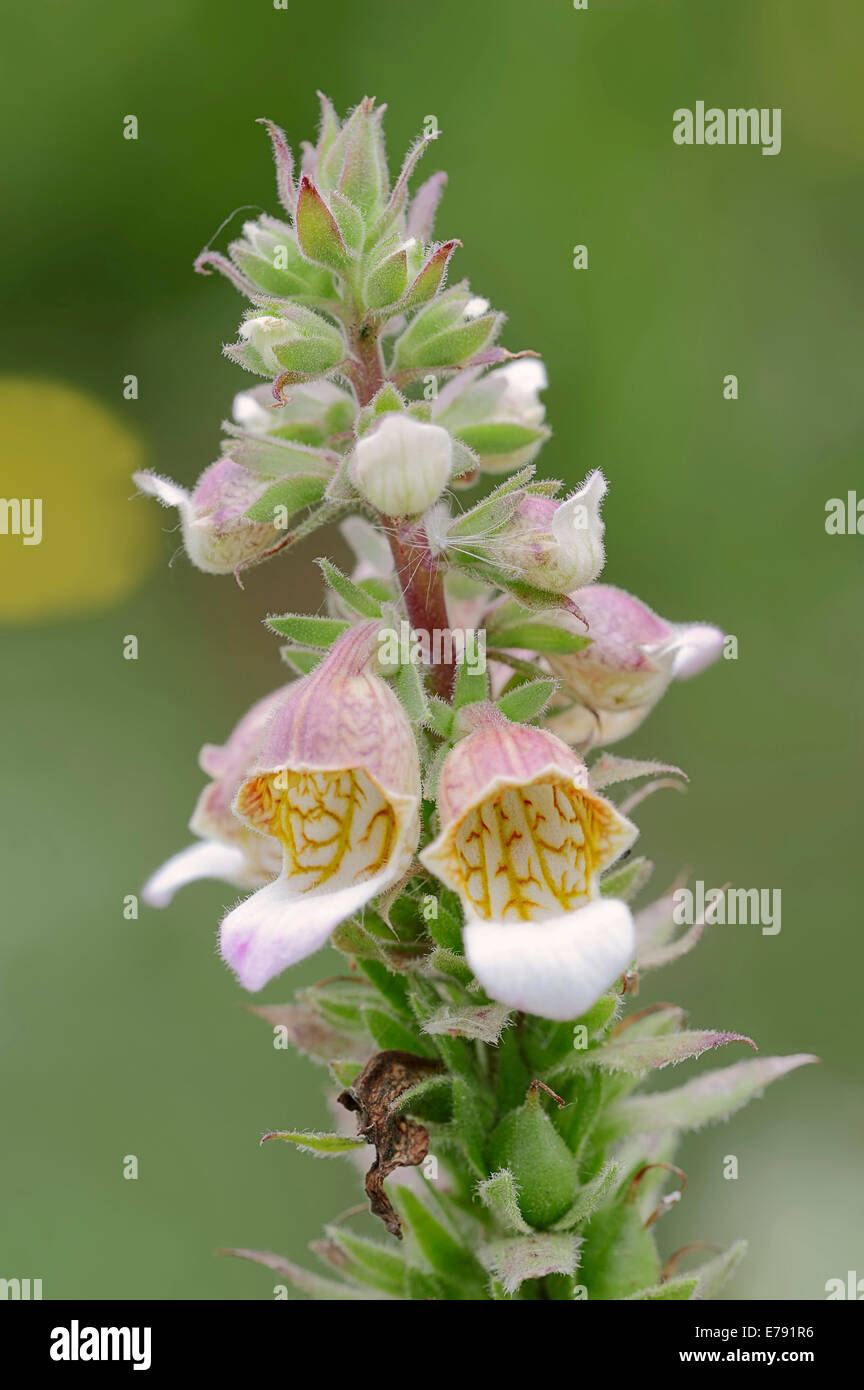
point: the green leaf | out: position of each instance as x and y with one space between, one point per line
531 1257
340 1000
408 684
500 1194
638 1055
389 1033
627 881
609 769
289 495
589 1198
386 282
316 1037
504 438
300 659
308 356
439 716
357 599
274 459
306 630
619 1256
711 1097
366 1261
445 928
317 231
435 1088
713 1274
430 277
344 1072
450 963
447 1255
322 1290
526 701
322 1145
684 1288
496 509
473 1114
538 637
356 940
349 220
390 986
470 687
483 1022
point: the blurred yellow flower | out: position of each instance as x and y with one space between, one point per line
70 538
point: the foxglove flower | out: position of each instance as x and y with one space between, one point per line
218 536
226 849
554 545
314 410
630 661
402 465
337 785
523 842
499 415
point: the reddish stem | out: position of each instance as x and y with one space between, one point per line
421 576
421 579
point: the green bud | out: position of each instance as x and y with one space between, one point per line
295 340
386 281
619 1255
268 254
450 330
527 1142
317 230
355 164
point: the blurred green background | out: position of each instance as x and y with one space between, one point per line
122 1037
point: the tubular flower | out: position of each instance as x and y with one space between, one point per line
337 786
631 660
227 849
217 534
523 842
555 545
499 415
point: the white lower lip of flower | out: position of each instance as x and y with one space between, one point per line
344 841
205 859
556 968
697 646
529 852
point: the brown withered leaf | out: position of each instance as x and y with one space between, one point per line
399 1142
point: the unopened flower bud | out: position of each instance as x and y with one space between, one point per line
217 534
553 545
499 416
401 465
297 340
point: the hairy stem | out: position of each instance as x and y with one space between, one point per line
421 576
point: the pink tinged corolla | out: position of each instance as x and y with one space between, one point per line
631 659
555 545
226 849
217 535
337 787
523 841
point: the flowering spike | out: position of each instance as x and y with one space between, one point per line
398 798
